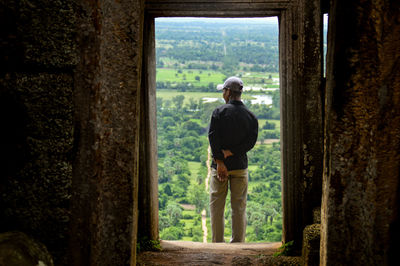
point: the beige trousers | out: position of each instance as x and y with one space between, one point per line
237 180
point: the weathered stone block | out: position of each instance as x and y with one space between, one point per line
360 203
107 95
37 115
38 33
311 242
17 249
47 99
317 215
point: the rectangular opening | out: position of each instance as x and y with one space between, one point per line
193 56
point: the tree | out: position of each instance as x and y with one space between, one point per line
198 197
172 233
159 103
178 101
211 86
167 190
197 78
192 106
193 126
276 99
173 212
197 234
269 125
167 122
257 222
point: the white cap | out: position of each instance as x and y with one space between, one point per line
232 83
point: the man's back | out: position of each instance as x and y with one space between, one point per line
233 127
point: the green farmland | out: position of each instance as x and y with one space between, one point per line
196 78
204 77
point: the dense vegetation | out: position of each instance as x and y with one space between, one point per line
191 59
182 152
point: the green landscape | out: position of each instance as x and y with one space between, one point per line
193 57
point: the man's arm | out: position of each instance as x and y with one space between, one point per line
214 137
215 144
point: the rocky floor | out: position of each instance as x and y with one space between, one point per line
194 253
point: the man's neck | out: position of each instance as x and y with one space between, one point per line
235 99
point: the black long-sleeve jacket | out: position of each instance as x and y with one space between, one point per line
233 127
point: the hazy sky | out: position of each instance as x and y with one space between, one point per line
244 20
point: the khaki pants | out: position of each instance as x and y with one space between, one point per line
218 190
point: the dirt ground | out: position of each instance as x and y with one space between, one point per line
196 253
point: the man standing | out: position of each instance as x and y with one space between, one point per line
233 132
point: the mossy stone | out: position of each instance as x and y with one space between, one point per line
18 249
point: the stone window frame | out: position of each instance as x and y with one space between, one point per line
300 86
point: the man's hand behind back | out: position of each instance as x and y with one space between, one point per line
227 153
222 171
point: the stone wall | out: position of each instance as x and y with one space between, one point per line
70 81
107 94
360 220
38 55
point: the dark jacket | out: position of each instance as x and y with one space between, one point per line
233 127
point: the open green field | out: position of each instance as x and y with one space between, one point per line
259 79
205 77
169 94
259 75
189 75
169 62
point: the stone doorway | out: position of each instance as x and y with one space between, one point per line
300 48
